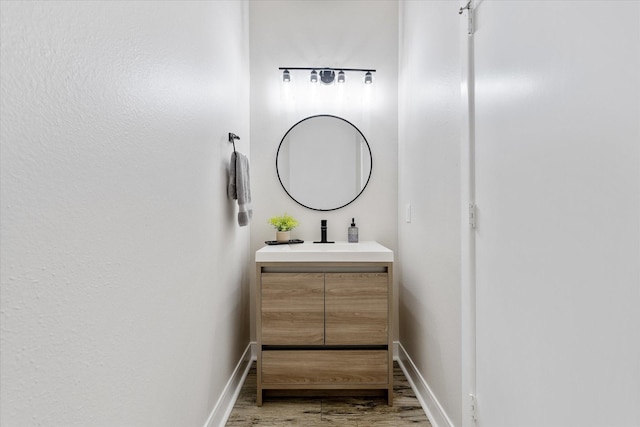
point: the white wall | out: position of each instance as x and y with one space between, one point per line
558 192
429 181
350 34
557 139
124 286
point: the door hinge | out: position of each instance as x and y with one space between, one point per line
472 215
473 408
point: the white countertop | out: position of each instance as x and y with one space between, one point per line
325 252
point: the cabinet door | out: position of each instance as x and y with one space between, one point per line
356 308
292 308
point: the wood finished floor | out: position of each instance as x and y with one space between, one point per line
331 411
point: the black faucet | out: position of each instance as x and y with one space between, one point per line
323 232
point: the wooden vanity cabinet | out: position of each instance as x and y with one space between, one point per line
324 327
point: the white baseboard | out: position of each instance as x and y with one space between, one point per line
224 406
435 412
254 350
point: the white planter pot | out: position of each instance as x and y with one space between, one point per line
283 236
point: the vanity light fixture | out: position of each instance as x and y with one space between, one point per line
328 74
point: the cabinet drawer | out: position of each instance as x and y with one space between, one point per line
324 367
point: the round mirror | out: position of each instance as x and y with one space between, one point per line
324 162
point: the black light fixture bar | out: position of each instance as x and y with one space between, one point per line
327 75
328 68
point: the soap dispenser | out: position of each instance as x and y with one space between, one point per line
353 232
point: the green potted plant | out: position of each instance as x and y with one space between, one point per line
283 225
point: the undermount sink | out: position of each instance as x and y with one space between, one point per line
325 252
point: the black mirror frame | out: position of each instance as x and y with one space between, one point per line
370 157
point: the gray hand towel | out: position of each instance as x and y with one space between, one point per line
231 187
239 187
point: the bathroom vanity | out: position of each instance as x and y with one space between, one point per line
324 319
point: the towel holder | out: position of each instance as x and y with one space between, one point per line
232 139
